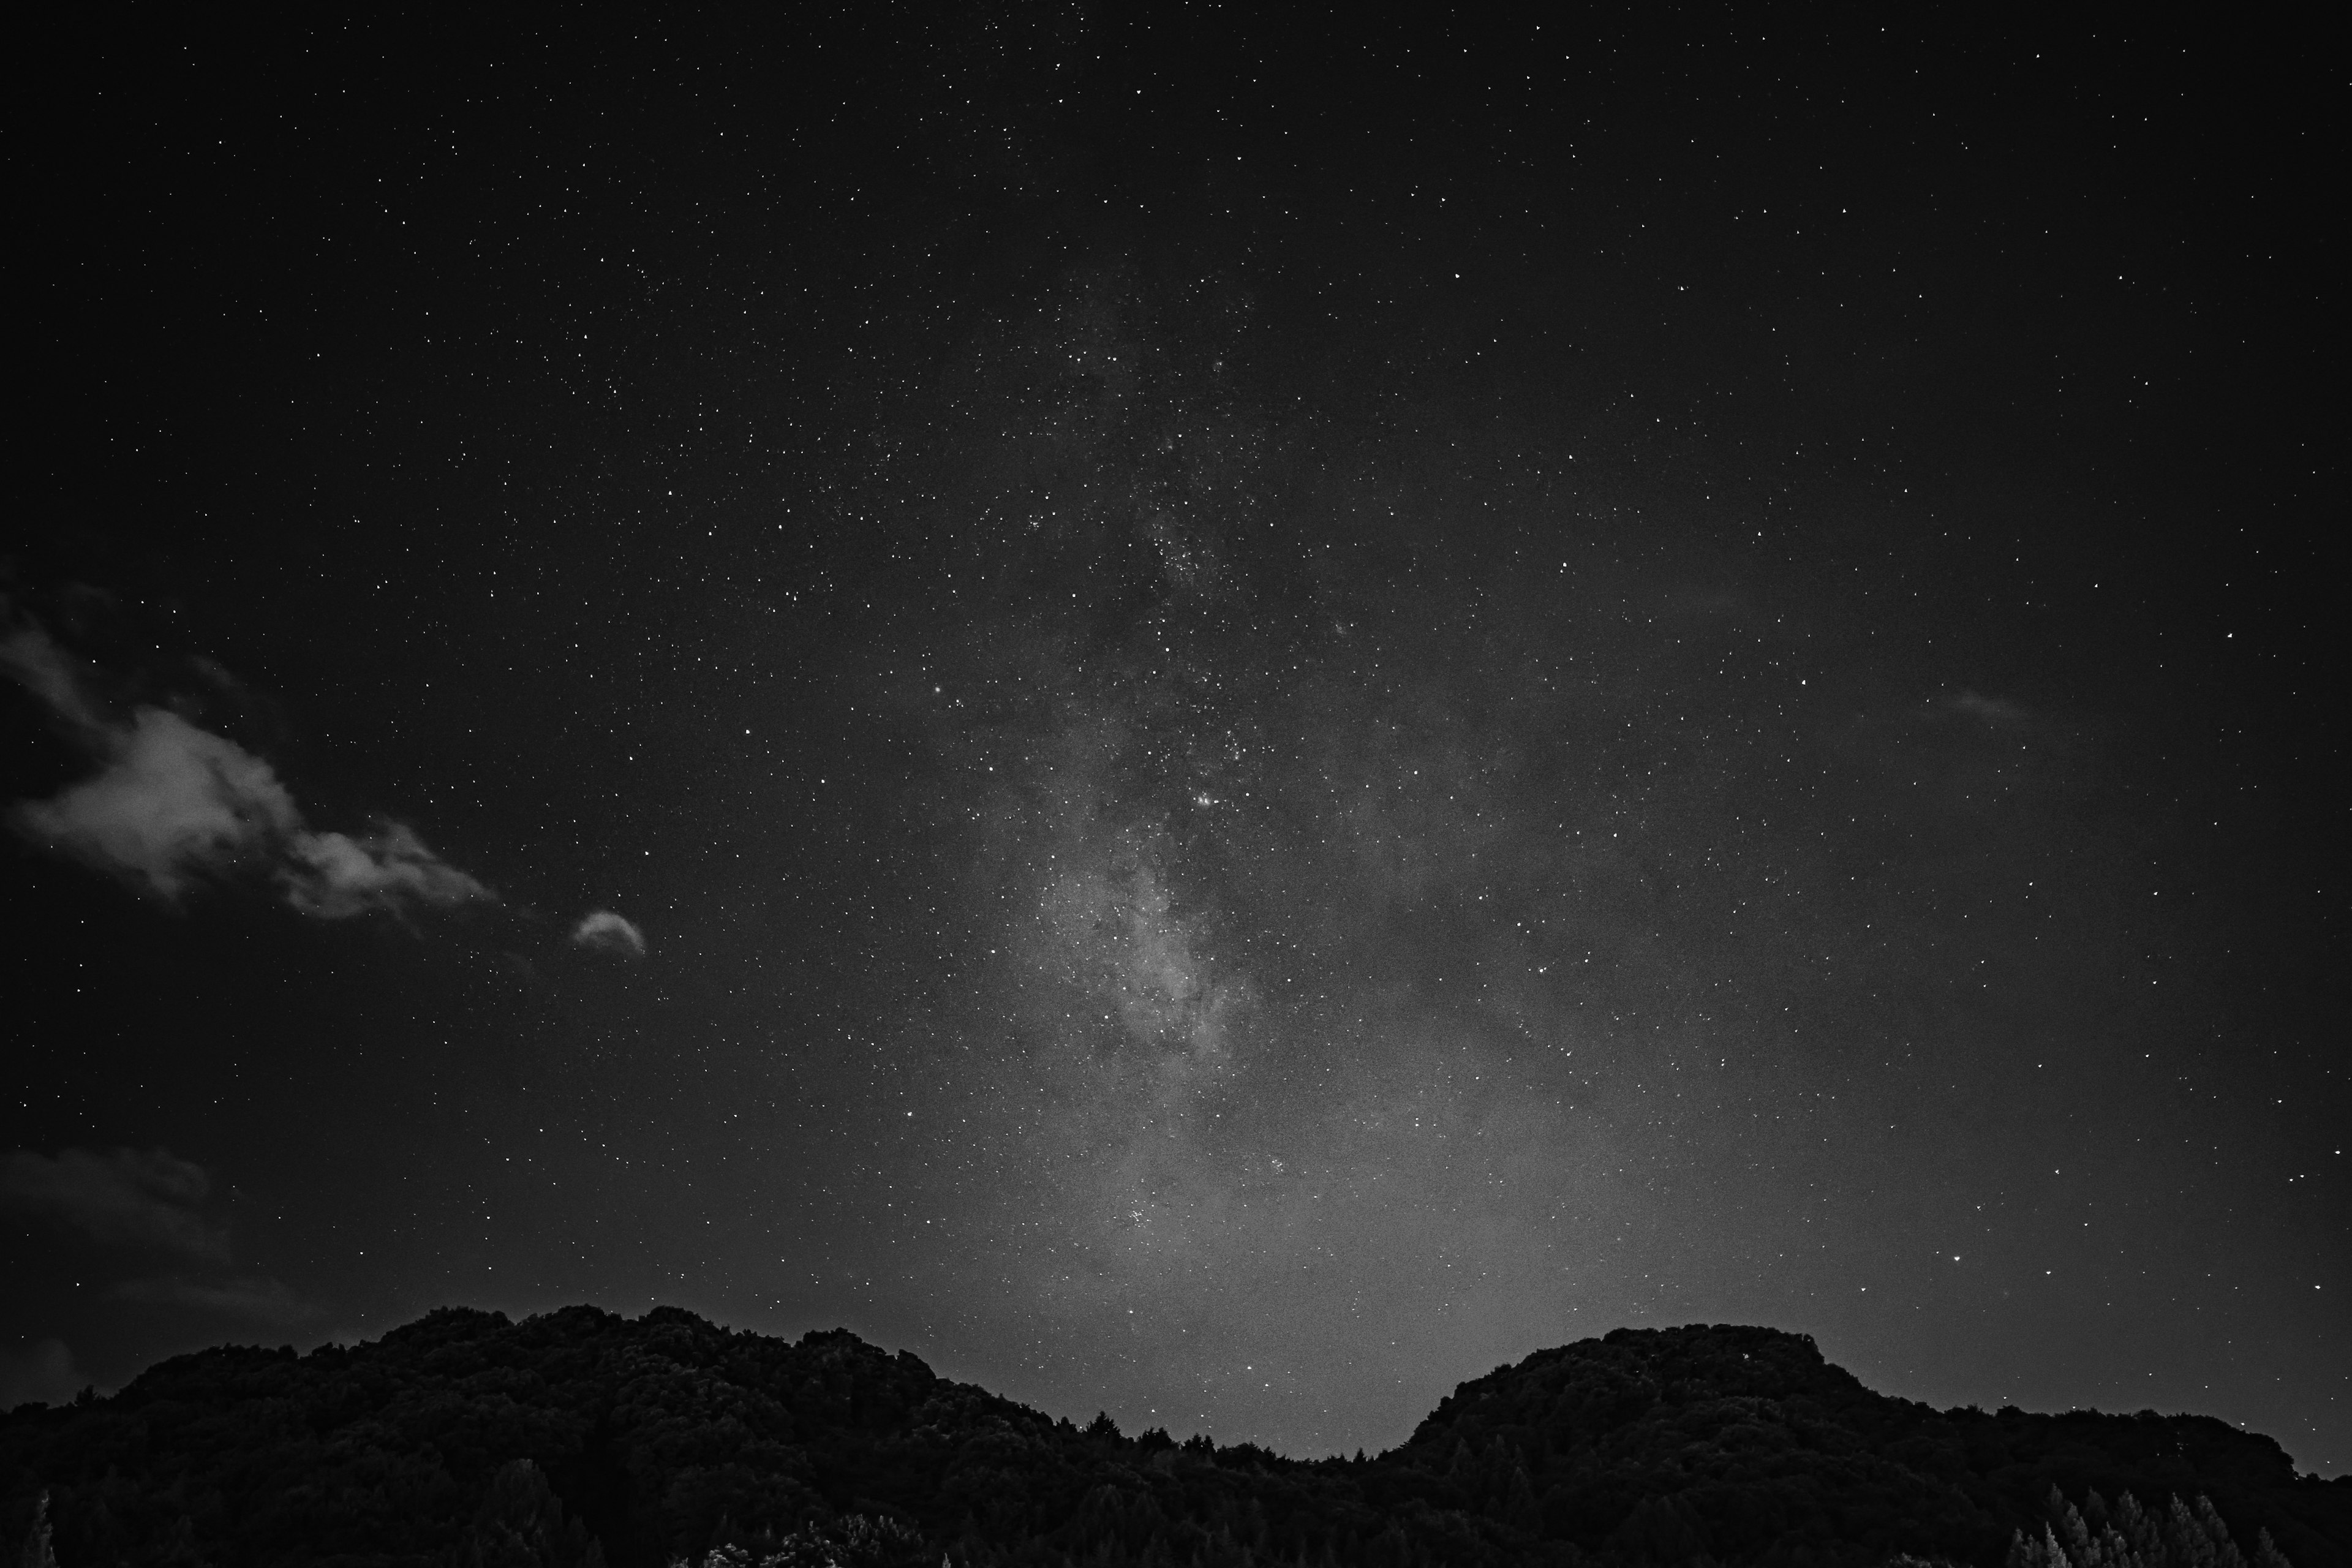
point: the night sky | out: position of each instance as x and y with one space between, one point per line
1212 719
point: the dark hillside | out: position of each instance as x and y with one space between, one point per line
582 1437
1736 1442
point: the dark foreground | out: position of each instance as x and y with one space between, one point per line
580 1438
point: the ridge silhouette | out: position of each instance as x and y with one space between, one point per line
579 1439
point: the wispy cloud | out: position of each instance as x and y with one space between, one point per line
333 875
172 804
152 1200
609 932
42 667
256 1297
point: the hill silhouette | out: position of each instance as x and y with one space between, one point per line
579 1438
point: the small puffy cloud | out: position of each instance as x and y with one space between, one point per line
608 933
255 1299
152 1200
333 875
172 803
42 1372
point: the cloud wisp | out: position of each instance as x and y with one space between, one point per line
152 1203
607 933
173 804
335 875
152 1200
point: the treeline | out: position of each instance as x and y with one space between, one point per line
580 1439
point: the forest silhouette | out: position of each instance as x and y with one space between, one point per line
582 1439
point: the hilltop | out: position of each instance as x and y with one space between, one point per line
580 1438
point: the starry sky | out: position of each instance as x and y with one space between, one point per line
1214 717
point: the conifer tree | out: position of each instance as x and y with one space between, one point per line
2074 1532
2139 1529
2225 1550
2185 1541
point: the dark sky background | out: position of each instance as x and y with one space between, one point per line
1209 718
